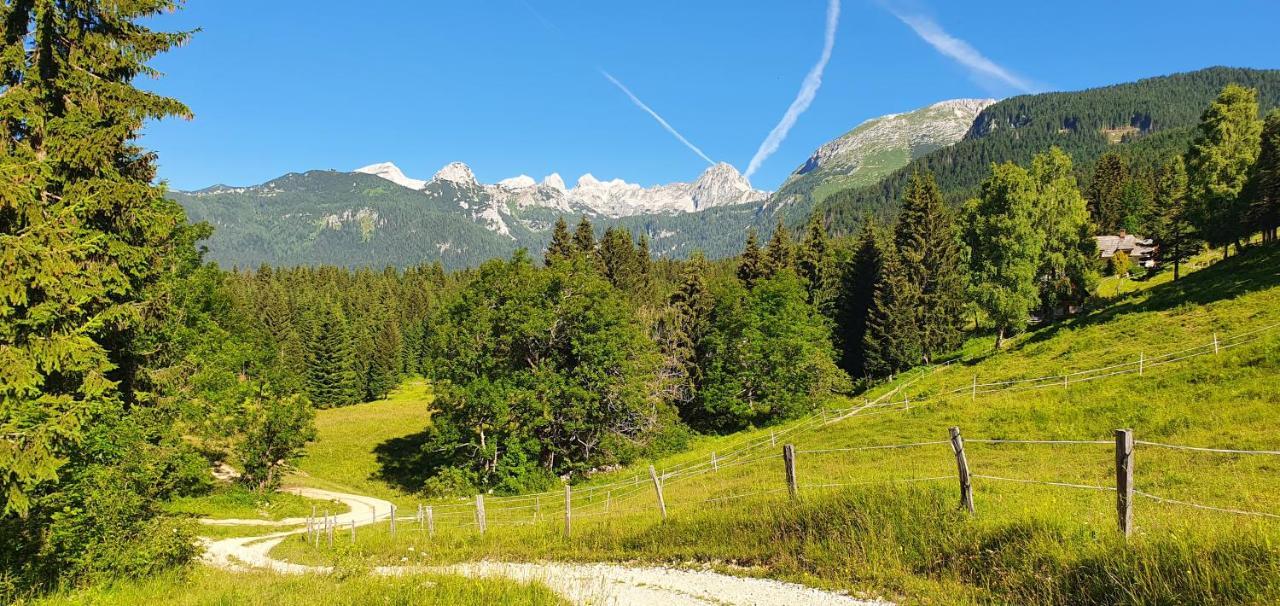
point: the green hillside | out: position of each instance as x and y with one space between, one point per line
340 219
1145 121
885 521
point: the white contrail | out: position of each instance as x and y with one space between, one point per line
961 51
664 123
808 90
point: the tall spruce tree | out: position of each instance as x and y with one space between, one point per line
780 253
644 263
751 263
815 263
931 259
691 306
562 245
858 280
1005 249
1173 231
1265 180
1227 143
584 237
331 374
893 341
90 248
1068 270
1106 191
618 259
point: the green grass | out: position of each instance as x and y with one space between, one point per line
344 455
1027 543
209 587
236 502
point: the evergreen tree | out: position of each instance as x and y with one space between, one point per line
331 375
1067 269
1265 181
751 263
1227 144
1005 249
618 259
1136 207
584 237
1106 191
815 263
562 244
893 341
1173 232
858 282
644 263
691 306
780 253
930 258
91 251
384 364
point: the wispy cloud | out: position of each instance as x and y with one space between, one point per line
962 52
667 125
808 91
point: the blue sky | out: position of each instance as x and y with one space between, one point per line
513 86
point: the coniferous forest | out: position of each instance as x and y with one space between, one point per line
129 363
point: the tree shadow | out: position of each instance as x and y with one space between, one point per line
1255 269
402 461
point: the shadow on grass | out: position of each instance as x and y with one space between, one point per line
401 462
1257 268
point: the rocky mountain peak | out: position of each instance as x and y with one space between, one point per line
456 172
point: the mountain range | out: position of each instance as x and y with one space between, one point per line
377 215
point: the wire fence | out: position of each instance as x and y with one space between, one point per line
640 492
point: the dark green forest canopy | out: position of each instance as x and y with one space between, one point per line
1144 121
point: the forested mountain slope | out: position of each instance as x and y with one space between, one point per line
1145 121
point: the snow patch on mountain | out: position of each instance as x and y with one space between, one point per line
392 173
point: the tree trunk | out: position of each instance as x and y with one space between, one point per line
1176 266
999 338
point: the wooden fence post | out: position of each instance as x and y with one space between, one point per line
608 497
537 508
772 440
1142 363
353 532
480 520
974 396
332 522
657 487
431 522
1215 343
715 465
1124 480
568 509
962 467
789 462
393 521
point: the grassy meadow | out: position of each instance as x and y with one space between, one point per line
885 521
208 587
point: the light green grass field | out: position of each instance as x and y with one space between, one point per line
235 502
344 455
889 528
208 587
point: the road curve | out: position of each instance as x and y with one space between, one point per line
596 584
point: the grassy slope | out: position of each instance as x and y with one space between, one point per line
1028 543
344 455
208 587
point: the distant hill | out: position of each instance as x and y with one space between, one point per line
1144 120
